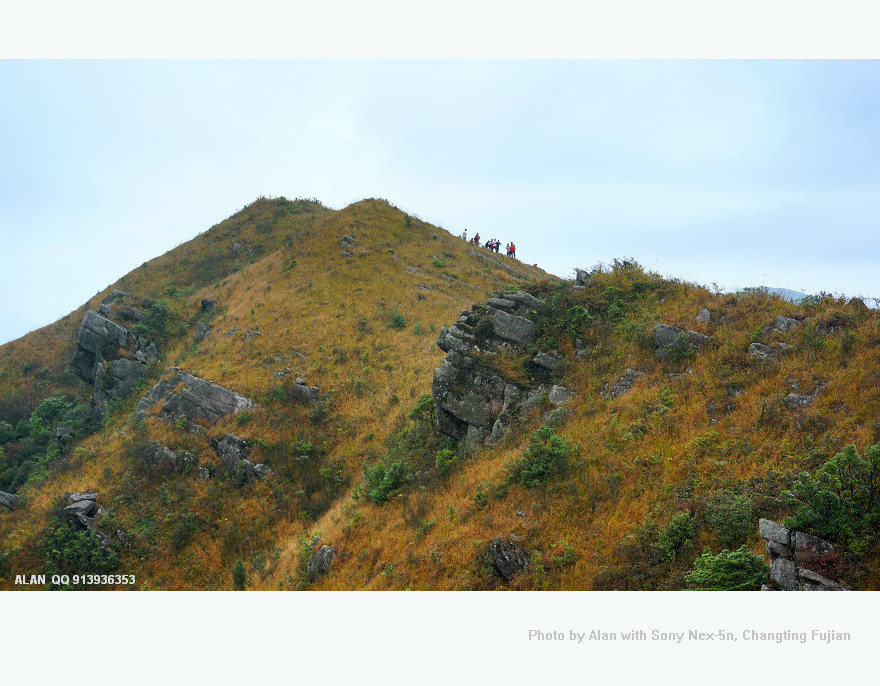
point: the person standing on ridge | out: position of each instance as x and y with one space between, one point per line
513 250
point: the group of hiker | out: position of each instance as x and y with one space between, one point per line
492 245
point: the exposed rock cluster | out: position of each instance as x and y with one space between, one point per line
110 358
792 554
185 395
473 399
320 561
234 451
83 512
509 558
7 500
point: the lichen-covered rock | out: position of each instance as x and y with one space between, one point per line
509 558
763 352
512 327
704 316
785 323
85 507
231 449
85 495
473 399
202 331
320 561
665 335
197 399
550 361
560 395
302 393
7 500
622 385
772 531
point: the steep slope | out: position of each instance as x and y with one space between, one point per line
367 402
358 323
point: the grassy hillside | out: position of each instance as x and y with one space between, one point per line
702 445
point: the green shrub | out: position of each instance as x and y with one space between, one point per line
680 531
731 517
546 457
382 479
740 570
239 576
680 350
446 461
69 550
396 320
842 500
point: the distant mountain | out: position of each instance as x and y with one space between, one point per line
786 293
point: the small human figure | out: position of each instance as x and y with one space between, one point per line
464 235
513 250
497 245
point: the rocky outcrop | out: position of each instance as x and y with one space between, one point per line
622 385
185 395
110 358
301 392
784 324
320 561
7 500
234 451
509 558
794 555
666 335
85 513
796 401
473 399
763 352
202 331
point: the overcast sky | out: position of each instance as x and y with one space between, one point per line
740 173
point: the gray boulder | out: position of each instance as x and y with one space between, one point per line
785 572
124 376
763 352
203 474
197 400
785 324
509 558
527 301
812 581
549 361
96 337
85 507
665 335
208 304
795 402
512 327
7 500
320 561
262 471
232 449
622 385
348 238
62 431
79 497
771 531
106 311
116 296
704 316
501 304
302 393
560 395
202 331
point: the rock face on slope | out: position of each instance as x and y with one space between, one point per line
110 357
793 554
473 399
185 395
